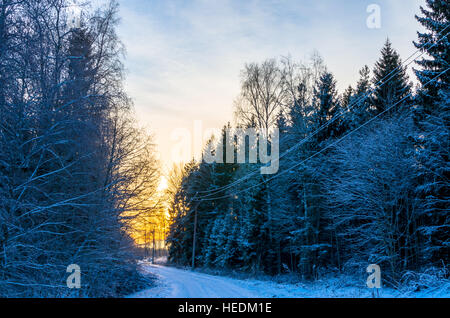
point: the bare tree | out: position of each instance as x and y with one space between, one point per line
263 94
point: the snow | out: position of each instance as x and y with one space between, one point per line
180 283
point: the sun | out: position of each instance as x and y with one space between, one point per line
163 185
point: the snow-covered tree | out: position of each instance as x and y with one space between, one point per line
327 105
71 157
433 121
391 79
435 42
360 108
371 200
433 180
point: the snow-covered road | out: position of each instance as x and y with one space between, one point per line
178 283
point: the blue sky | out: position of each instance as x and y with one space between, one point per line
184 57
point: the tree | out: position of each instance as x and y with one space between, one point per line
433 121
346 97
326 106
391 79
360 109
72 162
371 200
435 42
262 95
433 180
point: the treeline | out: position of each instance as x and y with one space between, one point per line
74 167
363 175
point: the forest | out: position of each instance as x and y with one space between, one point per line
363 175
76 171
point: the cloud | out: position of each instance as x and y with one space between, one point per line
184 57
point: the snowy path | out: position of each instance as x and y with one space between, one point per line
178 283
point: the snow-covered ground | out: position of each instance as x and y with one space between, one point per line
178 283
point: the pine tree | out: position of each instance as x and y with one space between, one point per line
433 120
392 80
346 97
327 106
182 218
346 103
363 85
81 68
248 208
281 123
297 109
433 180
370 200
434 42
360 100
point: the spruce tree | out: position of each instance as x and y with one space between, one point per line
433 121
81 65
281 123
346 103
360 100
433 180
327 106
434 42
391 80
363 86
346 97
298 108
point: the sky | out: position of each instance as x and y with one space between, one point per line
184 57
